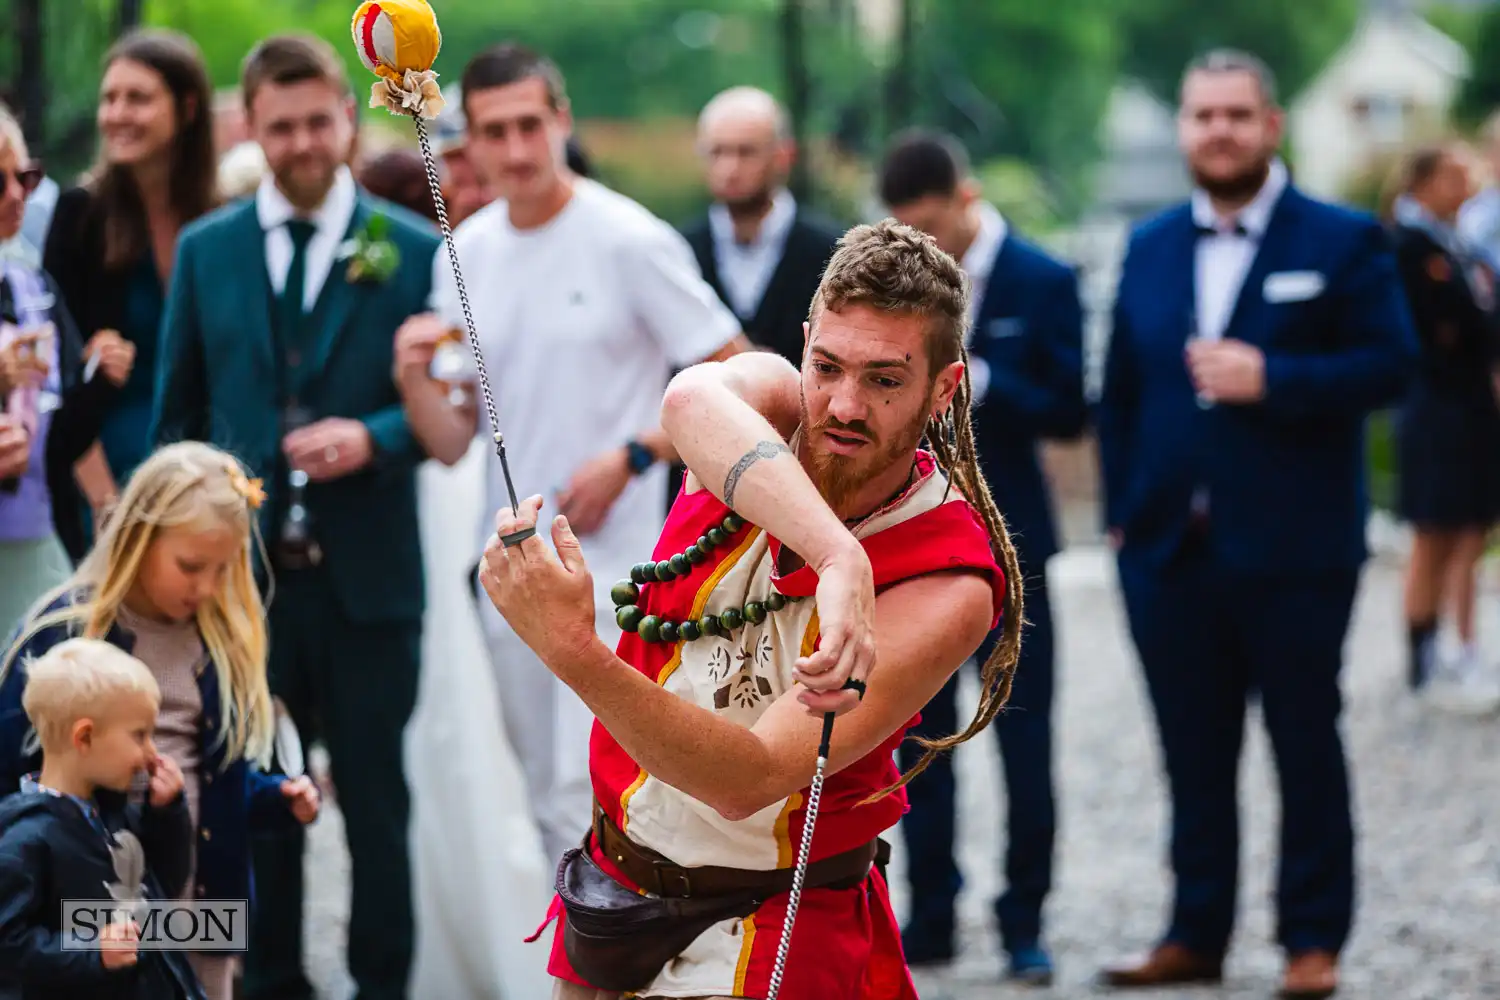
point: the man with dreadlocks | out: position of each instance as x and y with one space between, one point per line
813 535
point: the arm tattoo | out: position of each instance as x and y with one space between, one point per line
766 449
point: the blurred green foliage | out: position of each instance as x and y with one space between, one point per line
1481 92
1018 81
1294 37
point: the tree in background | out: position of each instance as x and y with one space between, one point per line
1023 80
1023 83
1480 95
50 53
1294 37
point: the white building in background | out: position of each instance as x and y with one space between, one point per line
1140 169
1390 85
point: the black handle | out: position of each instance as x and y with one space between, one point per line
850 685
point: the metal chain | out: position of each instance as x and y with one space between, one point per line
463 299
814 798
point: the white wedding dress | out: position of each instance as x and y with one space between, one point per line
482 885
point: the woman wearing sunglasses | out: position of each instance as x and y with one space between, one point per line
113 238
49 415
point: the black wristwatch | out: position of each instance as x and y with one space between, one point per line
639 456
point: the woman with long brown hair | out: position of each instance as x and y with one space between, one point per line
1448 441
113 238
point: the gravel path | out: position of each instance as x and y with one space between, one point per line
1426 795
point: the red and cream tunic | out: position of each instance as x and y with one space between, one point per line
846 944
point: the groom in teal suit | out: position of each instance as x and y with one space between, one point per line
277 346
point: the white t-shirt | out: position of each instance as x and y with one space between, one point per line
581 323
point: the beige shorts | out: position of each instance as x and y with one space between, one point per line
568 991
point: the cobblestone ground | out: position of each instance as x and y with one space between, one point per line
1426 794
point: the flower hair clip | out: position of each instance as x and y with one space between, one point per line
251 489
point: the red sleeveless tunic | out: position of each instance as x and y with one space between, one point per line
846 944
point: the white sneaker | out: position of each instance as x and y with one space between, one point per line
1464 686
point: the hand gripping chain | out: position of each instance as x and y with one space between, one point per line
515 537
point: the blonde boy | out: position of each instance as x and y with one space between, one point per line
62 835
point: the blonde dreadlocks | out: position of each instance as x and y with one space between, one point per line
898 269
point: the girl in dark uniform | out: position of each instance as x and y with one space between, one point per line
1448 444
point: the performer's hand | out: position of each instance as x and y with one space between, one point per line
116 355
1227 371
166 780
846 633
329 449
21 363
15 447
302 798
547 597
593 490
417 340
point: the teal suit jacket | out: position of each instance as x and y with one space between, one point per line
217 381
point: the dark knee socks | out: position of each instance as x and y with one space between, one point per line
1421 636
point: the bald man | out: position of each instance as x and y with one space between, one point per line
762 252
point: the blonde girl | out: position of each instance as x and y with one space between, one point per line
170 580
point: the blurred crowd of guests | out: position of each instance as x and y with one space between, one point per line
1254 331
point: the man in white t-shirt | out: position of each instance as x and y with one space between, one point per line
584 303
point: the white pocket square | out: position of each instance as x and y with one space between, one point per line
1293 286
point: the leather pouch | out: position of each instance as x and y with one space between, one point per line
620 940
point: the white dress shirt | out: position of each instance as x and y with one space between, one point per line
978 261
745 269
1223 258
581 322
332 222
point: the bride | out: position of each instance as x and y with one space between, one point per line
482 885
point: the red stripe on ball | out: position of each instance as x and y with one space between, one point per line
367 39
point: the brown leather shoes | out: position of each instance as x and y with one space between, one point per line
1310 975
1167 965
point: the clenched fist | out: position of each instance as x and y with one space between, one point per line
417 340
15 447
116 355
166 780
118 944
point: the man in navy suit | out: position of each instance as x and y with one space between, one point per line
1254 331
1026 355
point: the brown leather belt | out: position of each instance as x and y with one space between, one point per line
657 874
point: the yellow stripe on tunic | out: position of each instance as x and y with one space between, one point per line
700 601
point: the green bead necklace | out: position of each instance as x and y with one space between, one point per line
630 617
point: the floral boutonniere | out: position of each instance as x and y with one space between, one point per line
371 256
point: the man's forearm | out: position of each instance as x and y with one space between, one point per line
719 763
659 444
444 430
741 458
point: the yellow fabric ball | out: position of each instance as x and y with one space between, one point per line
394 36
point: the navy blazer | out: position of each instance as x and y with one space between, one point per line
1029 332
1285 476
233 796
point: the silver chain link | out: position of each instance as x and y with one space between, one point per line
815 792
435 184
794 898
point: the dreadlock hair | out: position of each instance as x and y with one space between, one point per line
898 269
